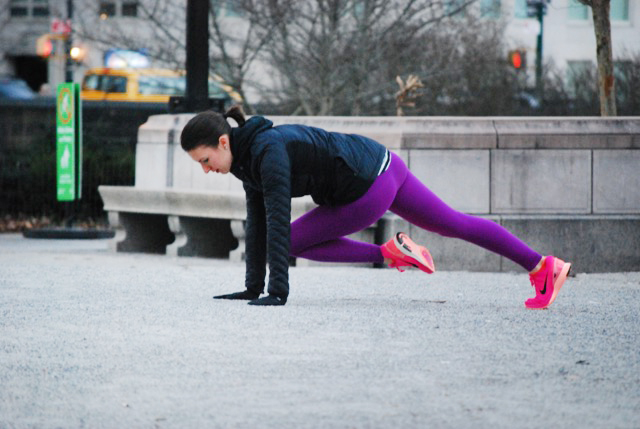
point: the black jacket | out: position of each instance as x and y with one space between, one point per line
276 164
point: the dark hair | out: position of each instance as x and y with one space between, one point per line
206 128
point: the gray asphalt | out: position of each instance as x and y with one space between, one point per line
92 339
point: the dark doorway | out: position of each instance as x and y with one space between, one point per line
32 69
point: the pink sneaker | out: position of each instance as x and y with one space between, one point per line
547 282
403 252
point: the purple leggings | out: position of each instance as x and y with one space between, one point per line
319 235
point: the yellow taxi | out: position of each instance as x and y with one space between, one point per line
145 85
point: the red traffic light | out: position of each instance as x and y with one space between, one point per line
517 59
44 46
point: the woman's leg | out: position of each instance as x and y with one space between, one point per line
421 207
319 235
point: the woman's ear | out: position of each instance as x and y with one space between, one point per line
223 141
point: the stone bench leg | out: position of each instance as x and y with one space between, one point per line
388 226
203 237
139 232
237 227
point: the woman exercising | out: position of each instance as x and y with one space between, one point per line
354 180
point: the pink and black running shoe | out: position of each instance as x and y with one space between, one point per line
403 252
547 282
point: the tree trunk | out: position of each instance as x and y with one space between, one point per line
606 80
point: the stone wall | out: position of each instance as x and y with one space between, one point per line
566 186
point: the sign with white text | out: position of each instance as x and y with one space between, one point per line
68 142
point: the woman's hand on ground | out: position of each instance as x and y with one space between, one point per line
246 295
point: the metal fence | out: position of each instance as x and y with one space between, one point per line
28 155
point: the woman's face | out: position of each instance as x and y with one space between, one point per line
216 159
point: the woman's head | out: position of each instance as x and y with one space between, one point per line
206 139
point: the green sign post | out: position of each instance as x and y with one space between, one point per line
68 142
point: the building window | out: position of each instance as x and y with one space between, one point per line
226 9
577 11
520 9
111 9
19 11
27 8
19 8
619 10
490 8
232 9
40 11
107 10
457 7
130 9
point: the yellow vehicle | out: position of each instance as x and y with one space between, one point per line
145 85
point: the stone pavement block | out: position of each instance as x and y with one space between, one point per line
543 181
616 181
384 129
151 166
449 133
591 243
567 133
460 178
154 151
188 174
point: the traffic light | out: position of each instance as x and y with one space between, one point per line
44 46
77 53
518 59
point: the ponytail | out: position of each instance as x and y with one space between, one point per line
236 113
206 128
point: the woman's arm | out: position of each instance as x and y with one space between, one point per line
256 239
275 171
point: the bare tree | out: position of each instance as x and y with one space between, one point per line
606 79
331 54
237 45
339 57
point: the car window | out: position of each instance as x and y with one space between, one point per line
215 90
91 82
116 84
161 85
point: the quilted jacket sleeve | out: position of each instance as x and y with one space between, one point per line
256 241
275 171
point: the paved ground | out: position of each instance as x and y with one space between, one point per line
99 340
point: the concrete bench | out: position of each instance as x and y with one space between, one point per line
185 222
178 223
181 222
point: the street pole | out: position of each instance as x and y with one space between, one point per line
539 83
197 91
70 207
68 44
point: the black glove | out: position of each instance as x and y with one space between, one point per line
245 294
269 300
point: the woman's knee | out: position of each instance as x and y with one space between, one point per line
298 243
